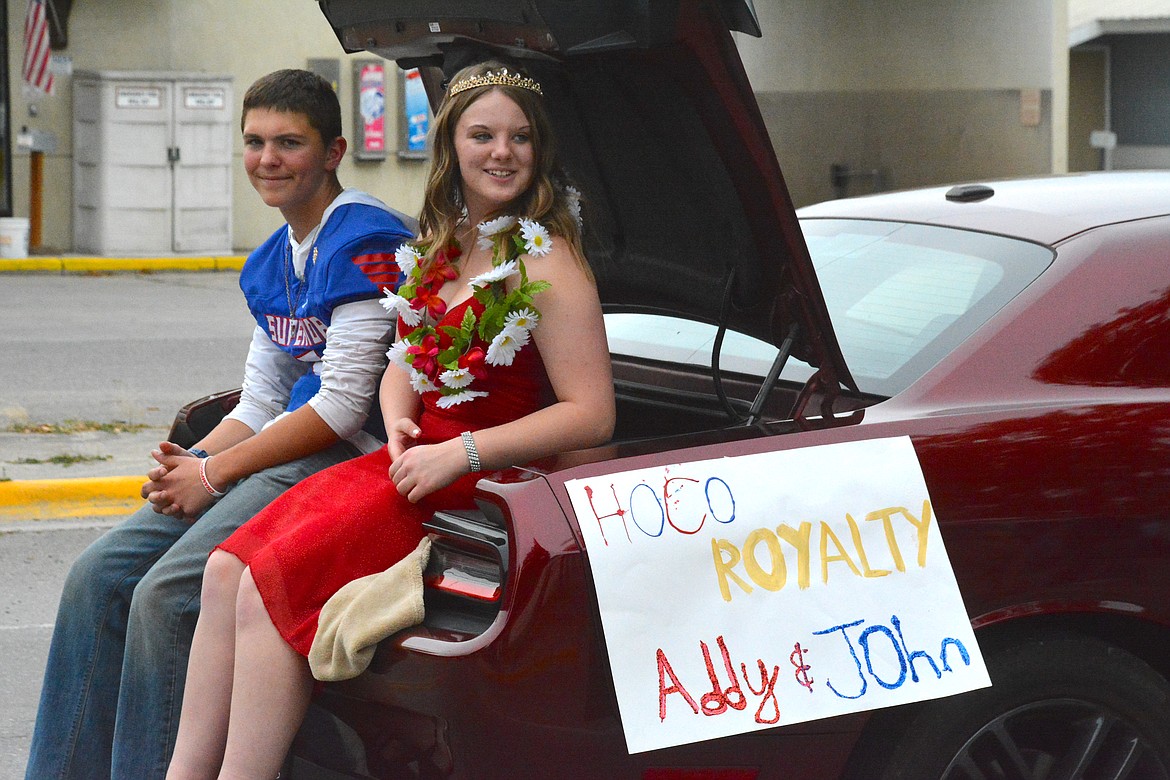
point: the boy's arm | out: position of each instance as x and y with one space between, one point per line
353 358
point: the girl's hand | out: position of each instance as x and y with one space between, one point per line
401 436
422 470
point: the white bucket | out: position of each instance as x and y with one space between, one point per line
13 237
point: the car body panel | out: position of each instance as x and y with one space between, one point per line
1046 210
1044 440
1043 436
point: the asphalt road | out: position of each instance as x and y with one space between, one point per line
34 558
118 348
115 348
130 347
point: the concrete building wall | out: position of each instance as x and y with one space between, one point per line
909 93
243 39
920 91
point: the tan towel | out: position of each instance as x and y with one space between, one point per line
365 612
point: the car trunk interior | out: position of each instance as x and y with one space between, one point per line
656 399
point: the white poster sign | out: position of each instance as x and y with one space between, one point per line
138 97
748 592
198 98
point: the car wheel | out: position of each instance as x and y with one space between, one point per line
1059 708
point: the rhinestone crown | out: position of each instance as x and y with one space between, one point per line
501 78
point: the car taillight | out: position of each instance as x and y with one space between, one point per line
460 573
465 577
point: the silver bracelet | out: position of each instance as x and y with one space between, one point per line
472 452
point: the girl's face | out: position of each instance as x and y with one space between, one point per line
493 143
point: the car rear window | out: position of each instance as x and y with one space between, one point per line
901 296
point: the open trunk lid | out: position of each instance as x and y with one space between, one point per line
687 210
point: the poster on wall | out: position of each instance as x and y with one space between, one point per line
370 82
414 121
753 591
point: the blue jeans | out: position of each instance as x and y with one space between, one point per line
114 682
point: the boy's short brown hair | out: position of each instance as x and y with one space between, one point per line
301 92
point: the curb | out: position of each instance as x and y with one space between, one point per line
107 264
50 499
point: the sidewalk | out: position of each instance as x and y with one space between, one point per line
49 475
41 481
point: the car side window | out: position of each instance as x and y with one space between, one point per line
901 296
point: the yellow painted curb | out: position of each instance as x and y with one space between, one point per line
230 263
138 263
113 264
31 264
47 499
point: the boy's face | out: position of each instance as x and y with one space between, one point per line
285 158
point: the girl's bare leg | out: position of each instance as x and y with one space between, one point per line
207 697
270 693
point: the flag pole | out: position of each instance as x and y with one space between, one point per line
52 9
36 178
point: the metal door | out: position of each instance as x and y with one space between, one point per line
201 154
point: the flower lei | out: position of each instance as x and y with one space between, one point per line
505 325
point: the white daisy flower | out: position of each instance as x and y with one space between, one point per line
573 196
456 377
525 318
536 238
421 382
397 354
407 258
447 401
398 306
497 225
411 317
493 227
498 273
505 345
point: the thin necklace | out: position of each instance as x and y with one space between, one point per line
287 270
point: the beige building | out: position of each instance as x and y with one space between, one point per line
858 94
240 40
862 96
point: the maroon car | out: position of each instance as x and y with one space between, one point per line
1016 333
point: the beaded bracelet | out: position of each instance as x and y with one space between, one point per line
206 483
472 452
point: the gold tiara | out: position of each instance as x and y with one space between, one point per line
502 78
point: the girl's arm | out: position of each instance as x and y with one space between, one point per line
400 409
571 338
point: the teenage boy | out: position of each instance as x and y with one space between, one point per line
118 660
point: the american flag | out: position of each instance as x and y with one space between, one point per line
36 47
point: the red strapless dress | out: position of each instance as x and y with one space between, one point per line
349 520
